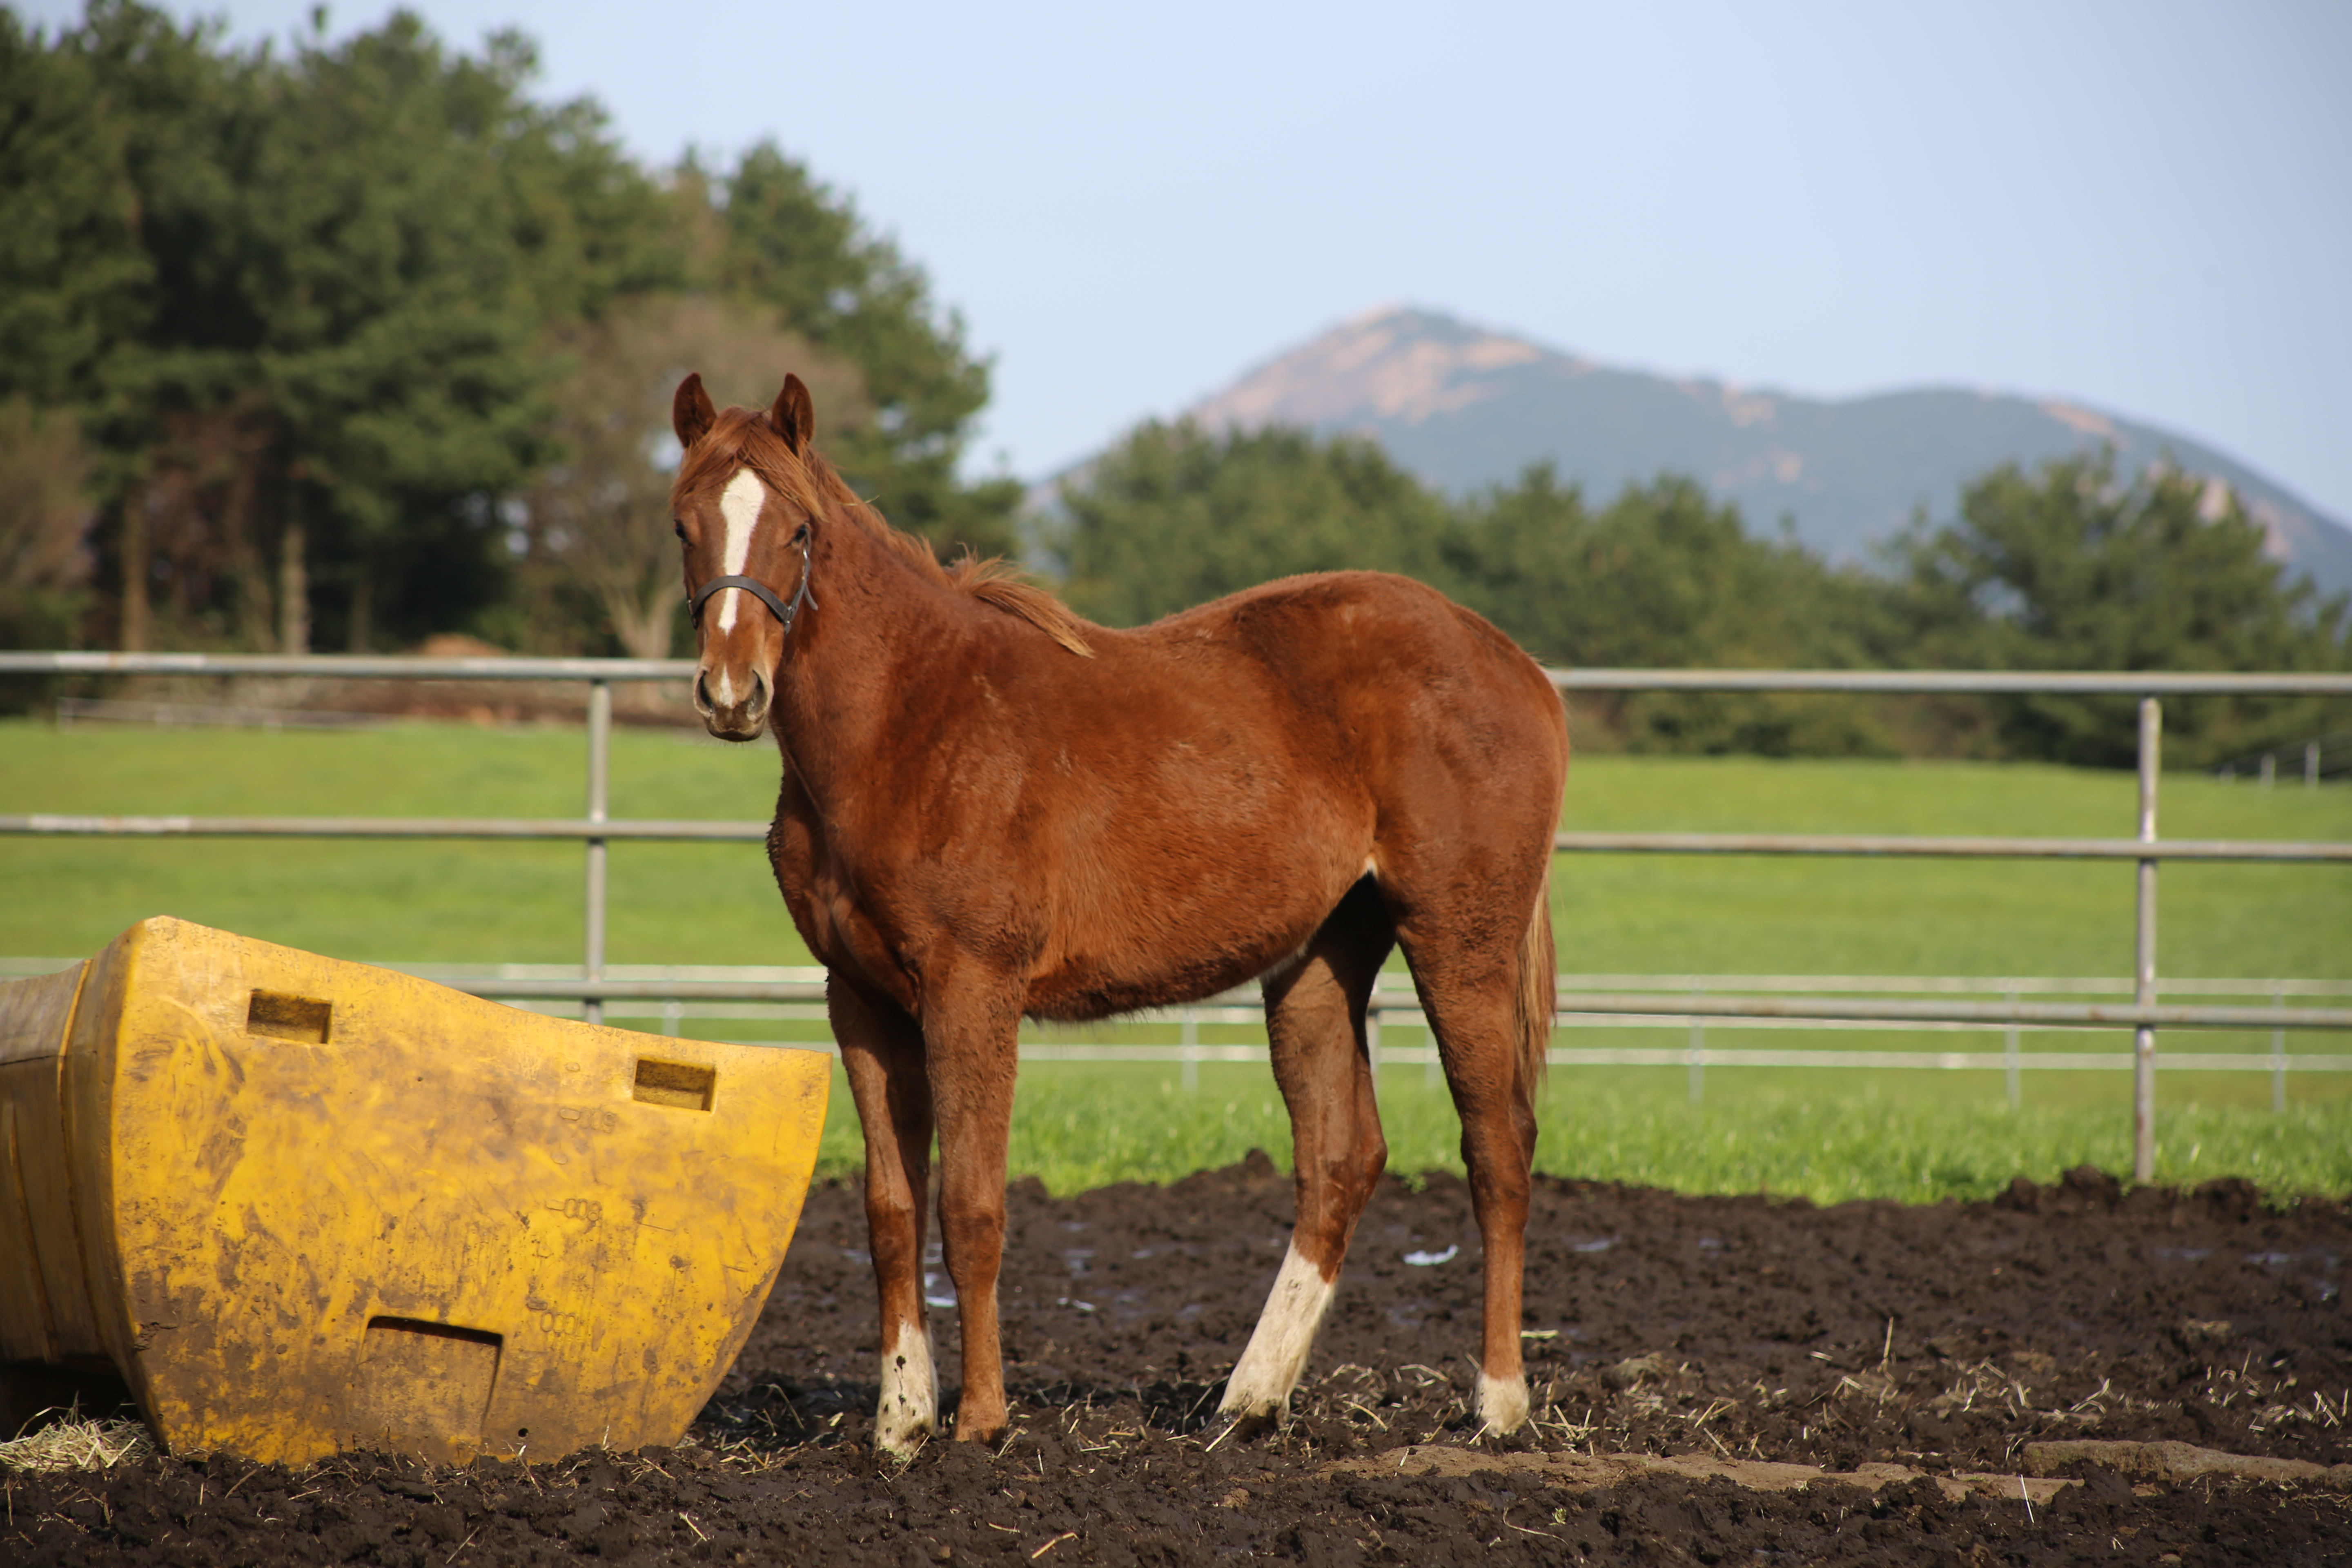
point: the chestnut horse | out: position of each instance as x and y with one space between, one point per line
991 808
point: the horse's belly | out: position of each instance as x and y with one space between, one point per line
1172 947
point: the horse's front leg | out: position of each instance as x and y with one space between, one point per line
882 1053
971 1035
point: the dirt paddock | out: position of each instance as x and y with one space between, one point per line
2067 1374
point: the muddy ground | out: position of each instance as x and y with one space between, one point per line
1941 1340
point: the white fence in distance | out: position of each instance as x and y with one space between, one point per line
598 986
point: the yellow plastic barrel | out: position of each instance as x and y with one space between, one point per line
303 1206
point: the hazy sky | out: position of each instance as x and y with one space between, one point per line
2145 206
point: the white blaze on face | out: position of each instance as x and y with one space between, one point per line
739 505
1269 1368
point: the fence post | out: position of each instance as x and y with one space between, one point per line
600 780
1697 1055
2151 726
2278 1055
2009 1057
2311 765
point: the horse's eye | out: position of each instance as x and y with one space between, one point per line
677 527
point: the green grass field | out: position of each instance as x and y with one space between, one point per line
1080 1127
1910 1135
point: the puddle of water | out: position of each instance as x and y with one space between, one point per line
1431 1259
1604 1244
2326 1260
1073 1301
932 1283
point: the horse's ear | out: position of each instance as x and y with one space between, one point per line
794 417
690 413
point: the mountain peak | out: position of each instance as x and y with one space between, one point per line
1396 363
1466 407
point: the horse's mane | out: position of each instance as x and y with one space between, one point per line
742 438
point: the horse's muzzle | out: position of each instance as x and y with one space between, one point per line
732 709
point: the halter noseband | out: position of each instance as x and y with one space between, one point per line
786 613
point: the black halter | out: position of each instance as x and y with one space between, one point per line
786 613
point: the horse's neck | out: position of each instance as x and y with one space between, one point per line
874 622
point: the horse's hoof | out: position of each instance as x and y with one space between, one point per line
1502 1404
901 1446
900 1434
1247 1425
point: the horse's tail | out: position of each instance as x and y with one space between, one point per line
1538 997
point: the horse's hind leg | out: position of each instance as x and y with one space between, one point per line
1315 1028
882 1055
1469 997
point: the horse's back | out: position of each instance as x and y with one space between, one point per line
1382 668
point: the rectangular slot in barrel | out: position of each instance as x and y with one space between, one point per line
423 1388
685 1085
284 1017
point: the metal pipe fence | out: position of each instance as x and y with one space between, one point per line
2321 758
596 830
776 997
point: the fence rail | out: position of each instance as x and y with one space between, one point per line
773 995
657 830
1884 682
596 830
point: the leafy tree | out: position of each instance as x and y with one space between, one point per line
315 310
1173 515
81 117
1664 577
595 523
421 230
2068 569
45 517
105 133
45 523
790 243
322 288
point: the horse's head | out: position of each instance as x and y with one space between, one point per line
743 513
